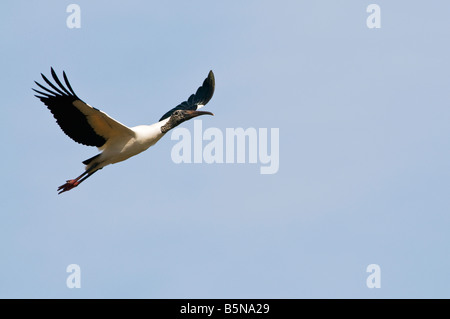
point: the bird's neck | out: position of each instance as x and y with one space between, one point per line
167 125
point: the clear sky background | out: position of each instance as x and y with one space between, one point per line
363 116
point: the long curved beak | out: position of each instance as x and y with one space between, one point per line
191 114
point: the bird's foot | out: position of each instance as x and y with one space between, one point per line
71 183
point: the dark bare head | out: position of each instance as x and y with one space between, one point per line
179 116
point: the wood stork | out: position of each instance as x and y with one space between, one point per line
92 127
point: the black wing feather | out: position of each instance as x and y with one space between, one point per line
68 84
44 88
71 120
51 84
42 93
201 97
55 77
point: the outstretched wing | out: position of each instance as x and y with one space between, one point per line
197 100
80 121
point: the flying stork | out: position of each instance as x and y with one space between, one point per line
89 126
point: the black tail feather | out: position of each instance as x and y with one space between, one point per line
89 160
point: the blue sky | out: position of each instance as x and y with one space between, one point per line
364 151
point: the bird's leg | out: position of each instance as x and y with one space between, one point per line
89 174
72 183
